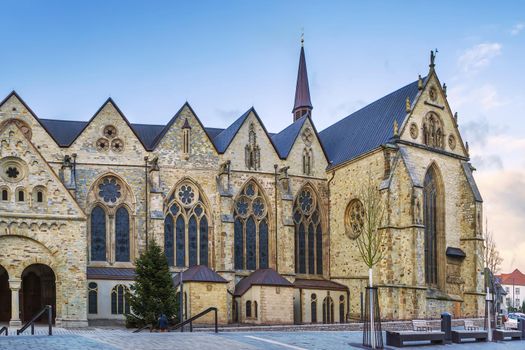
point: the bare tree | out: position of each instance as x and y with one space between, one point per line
493 259
370 241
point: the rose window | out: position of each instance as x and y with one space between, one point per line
12 172
110 131
354 219
109 190
242 206
186 194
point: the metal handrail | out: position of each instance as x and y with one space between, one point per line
31 323
191 319
4 329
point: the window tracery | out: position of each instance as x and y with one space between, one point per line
251 229
354 218
119 300
308 233
186 227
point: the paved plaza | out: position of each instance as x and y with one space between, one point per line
102 339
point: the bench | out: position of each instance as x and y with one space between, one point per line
502 334
458 336
398 338
470 326
421 325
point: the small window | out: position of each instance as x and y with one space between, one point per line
5 195
248 309
39 196
255 309
21 196
119 300
93 298
517 291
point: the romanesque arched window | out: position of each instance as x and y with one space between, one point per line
313 308
308 233
92 298
432 215
119 300
186 227
122 234
251 229
433 131
98 234
248 308
111 220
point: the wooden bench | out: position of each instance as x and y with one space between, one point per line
502 334
478 335
398 338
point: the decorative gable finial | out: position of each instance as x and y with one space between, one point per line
456 118
407 105
302 37
396 128
419 82
467 148
445 89
432 59
186 124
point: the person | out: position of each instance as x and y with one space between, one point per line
163 322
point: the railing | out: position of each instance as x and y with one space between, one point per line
190 320
31 323
150 327
4 329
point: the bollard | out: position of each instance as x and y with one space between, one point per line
446 326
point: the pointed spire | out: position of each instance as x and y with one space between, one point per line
303 104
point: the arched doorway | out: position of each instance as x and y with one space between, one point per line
5 296
38 289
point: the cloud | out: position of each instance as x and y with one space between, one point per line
517 28
478 57
486 96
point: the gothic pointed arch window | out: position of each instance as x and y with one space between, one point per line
119 300
308 233
307 161
186 227
111 222
251 229
433 220
433 131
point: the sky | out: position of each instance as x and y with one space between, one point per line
65 58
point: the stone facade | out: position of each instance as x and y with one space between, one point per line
109 189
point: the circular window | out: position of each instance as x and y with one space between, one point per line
117 145
354 218
242 206
13 169
307 136
110 131
306 202
414 132
187 196
109 190
259 208
102 144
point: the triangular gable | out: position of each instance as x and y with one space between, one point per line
174 119
441 107
224 139
13 101
60 202
285 140
109 103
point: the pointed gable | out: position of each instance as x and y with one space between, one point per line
35 173
368 128
14 107
225 137
285 139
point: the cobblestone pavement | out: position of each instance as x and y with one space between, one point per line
107 339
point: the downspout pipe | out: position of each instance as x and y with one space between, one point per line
146 196
275 215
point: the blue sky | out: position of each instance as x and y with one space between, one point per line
65 58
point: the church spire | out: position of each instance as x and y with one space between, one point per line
303 104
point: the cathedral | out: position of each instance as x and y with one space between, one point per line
261 225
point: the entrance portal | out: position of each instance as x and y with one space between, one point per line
38 289
5 296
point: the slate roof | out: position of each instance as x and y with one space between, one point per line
302 89
63 131
261 277
455 252
319 284
368 128
198 273
284 140
110 273
223 139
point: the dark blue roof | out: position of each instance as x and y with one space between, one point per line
284 140
63 131
368 128
148 133
223 140
213 131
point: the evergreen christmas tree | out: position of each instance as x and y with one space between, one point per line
152 293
